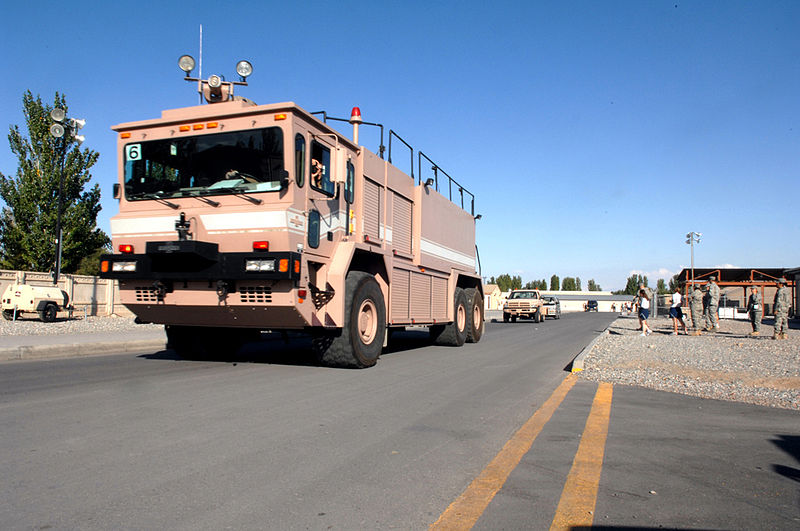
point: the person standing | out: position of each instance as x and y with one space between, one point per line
676 313
781 306
756 310
644 312
712 318
697 309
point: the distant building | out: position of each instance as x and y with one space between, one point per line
493 297
576 301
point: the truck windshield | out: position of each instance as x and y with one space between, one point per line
222 163
523 295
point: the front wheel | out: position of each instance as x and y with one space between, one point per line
360 341
49 313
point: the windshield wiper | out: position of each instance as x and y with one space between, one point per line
198 194
155 197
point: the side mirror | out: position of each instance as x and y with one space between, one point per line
117 192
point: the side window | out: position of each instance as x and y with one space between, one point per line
321 168
299 159
349 184
313 229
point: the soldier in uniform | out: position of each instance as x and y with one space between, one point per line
756 310
781 305
696 308
712 318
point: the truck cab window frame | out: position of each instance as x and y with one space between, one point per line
299 159
320 169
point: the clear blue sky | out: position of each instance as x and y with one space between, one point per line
594 135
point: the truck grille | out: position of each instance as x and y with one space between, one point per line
255 294
146 294
519 305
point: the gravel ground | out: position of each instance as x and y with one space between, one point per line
726 365
30 325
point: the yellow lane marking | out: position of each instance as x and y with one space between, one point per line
576 507
465 511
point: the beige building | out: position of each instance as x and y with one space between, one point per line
493 297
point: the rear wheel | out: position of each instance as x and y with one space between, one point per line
455 333
475 321
505 317
360 341
513 318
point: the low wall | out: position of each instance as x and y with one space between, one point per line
87 294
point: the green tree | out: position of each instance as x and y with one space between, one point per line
569 284
516 282
593 286
555 283
28 219
661 287
578 284
632 285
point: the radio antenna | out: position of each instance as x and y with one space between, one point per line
200 74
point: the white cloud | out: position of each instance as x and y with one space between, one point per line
663 272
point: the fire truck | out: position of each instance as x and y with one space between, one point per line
236 218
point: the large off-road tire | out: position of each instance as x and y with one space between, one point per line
360 341
455 333
505 317
475 321
202 343
513 318
49 313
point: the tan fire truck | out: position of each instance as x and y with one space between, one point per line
236 218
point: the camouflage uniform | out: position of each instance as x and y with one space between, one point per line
697 309
712 319
781 305
756 310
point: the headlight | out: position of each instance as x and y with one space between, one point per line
259 265
124 267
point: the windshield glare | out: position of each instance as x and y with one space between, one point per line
221 163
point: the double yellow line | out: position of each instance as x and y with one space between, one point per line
578 498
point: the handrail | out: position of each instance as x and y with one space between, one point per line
434 166
450 182
411 149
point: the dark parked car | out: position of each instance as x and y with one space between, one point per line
591 306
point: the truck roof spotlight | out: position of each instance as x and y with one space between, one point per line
244 69
186 63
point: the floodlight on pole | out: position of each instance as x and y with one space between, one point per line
691 239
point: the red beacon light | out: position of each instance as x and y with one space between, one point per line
126 248
355 119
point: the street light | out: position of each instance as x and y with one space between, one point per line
57 130
691 239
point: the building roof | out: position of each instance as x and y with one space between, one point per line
736 275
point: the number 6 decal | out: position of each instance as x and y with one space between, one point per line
133 152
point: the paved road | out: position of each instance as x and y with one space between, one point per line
267 442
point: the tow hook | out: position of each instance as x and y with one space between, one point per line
222 290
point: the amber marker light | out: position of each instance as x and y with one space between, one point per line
197 127
125 135
297 266
280 117
126 248
212 125
184 128
104 266
283 265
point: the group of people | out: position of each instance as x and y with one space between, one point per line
704 306
780 305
